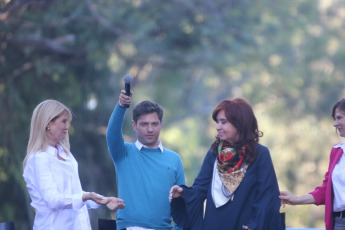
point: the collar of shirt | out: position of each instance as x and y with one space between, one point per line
341 145
140 146
53 151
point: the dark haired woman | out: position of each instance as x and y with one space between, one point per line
332 191
237 178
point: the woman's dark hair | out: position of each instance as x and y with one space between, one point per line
146 107
341 105
240 114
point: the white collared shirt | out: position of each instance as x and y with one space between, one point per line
56 192
140 145
338 181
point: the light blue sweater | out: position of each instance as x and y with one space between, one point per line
144 178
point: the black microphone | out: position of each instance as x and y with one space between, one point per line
127 79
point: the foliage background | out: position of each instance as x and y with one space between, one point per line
286 58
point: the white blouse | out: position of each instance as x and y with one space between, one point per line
56 192
338 181
218 196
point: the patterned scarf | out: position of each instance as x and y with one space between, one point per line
231 168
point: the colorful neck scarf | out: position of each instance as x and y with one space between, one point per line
231 166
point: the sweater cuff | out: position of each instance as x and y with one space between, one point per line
121 107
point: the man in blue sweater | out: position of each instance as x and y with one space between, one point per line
145 170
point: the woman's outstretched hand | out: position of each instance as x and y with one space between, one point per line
99 199
115 203
175 191
287 198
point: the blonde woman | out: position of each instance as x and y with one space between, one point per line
51 173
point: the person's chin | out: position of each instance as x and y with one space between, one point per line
222 138
150 142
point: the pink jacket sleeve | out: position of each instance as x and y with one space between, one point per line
320 192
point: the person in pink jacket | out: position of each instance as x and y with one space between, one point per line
332 191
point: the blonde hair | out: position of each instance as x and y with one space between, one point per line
46 111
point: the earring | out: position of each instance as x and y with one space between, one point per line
48 128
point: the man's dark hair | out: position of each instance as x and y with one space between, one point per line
146 107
